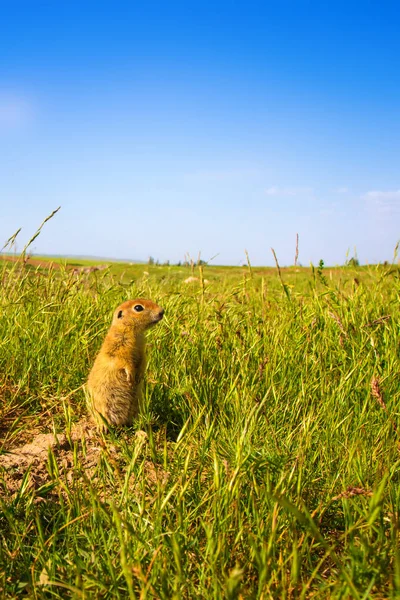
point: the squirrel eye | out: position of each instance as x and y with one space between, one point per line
138 308
119 315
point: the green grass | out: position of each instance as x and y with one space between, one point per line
271 466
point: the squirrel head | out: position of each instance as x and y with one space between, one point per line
139 314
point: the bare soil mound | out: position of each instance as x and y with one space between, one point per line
34 456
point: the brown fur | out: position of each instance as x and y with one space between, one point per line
116 380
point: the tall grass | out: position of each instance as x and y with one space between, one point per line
270 467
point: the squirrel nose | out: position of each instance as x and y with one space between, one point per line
161 312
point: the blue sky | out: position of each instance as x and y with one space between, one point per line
164 128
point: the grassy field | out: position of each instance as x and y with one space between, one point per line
270 463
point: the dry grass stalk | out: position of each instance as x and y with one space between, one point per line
378 321
284 286
353 491
338 321
248 263
377 394
277 264
202 280
296 256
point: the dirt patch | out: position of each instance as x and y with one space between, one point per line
16 421
34 262
49 455
34 456
52 264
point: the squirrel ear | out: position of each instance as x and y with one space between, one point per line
119 315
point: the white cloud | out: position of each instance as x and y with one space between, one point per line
384 203
288 191
15 112
387 195
341 190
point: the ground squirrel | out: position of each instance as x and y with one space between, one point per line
116 380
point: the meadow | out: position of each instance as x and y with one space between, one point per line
269 464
